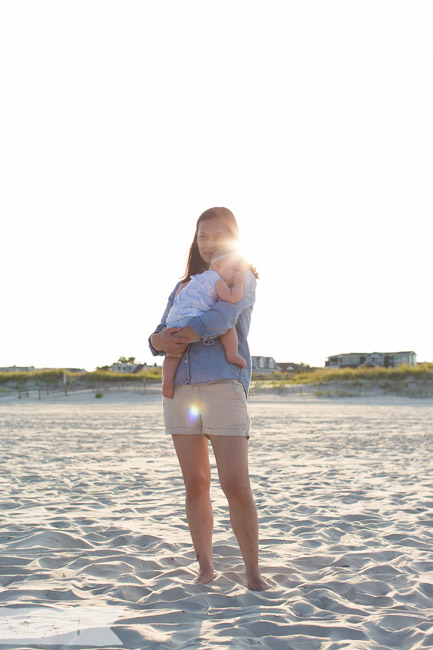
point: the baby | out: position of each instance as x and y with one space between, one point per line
223 281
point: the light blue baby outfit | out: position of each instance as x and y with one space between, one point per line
195 299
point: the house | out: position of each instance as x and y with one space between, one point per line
18 369
286 366
265 365
140 367
371 359
128 367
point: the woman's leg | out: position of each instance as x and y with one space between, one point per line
192 452
231 455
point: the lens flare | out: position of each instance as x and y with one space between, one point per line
243 256
193 412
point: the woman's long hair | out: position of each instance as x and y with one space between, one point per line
196 263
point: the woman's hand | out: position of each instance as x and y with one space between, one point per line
167 341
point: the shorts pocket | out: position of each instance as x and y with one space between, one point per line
239 389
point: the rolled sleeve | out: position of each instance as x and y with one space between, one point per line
224 315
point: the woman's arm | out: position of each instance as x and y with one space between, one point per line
223 315
167 340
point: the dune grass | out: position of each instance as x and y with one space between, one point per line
407 380
351 375
410 381
54 377
319 376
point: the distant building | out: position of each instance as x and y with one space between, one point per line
371 359
33 369
265 365
18 369
286 366
128 367
140 367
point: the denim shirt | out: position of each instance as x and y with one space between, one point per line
205 361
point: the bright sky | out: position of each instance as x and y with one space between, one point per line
122 121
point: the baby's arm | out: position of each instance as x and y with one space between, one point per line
230 294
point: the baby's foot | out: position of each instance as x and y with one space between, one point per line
167 388
238 360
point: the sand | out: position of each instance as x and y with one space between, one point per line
95 550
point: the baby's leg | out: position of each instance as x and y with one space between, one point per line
169 367
230 343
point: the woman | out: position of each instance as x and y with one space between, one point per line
209 402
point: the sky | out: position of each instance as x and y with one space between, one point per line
121 122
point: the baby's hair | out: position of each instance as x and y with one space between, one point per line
221 253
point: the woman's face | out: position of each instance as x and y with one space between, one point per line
212 234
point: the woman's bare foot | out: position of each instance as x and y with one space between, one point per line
257 583
238 360
206 575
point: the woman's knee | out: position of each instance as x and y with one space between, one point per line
237 491
196 485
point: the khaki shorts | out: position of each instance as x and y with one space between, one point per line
215 409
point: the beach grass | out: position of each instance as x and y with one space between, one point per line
52 379
411 381
351 375
317 376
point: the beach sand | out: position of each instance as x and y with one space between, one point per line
95 549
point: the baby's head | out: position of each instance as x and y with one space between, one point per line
226 264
